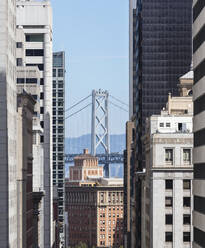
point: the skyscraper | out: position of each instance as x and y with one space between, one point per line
35 17
8 220
59 130
160 52
199 117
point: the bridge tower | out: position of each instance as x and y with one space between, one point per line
100 126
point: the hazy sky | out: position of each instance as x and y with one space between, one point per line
94 35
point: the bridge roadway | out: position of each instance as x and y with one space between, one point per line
112 158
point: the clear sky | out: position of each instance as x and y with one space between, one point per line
94 35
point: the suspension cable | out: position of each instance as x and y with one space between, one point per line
119 100
119 107
78 111
77 103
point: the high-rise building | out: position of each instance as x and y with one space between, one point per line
160 52
59 131
35 17
8 193
94 205
199 131
28 80
167 199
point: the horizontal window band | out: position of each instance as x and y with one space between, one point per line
199 237
198 8
199 39
199 171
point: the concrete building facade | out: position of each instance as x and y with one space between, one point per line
8 128
35 17
199 115
168 188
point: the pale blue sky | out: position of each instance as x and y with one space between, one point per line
94 35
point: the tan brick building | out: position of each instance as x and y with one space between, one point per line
95 210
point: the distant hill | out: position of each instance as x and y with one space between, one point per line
76 145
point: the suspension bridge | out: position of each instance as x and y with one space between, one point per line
100 104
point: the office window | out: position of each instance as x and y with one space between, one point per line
42 81
34 37
168 124
161 124
168 201
186 237
34 52
186 219
169 155
20 80
31 80
168 236
19 44
19 62
42 110
187 155
186 184
168 219
60 72
186 201
168 184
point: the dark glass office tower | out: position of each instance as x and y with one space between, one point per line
160 52
59 131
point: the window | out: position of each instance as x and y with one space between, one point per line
168 219
168 124
169 155
42 95
41 81
42 124
54 72
31 80
60 72
186 219
34 37
168 201
19 44
187 155
186 184
20 80
161 124
186 201
186 237
19 62
169 184
34 52
168 236
42 110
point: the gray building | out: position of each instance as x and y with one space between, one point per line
8 128
59 130
199 120
35 17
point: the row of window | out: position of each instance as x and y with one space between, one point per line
169 219
169 152
169 184
169 236
169 201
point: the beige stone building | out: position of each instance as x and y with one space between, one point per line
94 205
